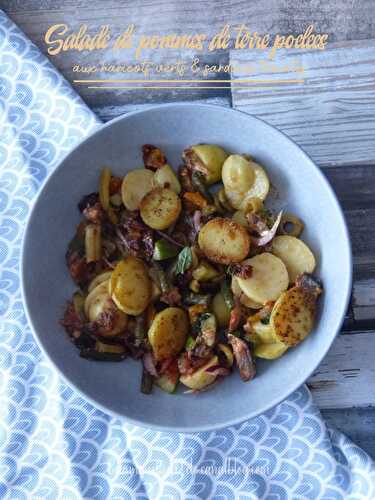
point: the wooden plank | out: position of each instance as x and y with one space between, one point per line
346 377
357 423
332 114
355 188
341 19
172 16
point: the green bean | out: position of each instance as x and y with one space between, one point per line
90 353
140 330
147 382
227 294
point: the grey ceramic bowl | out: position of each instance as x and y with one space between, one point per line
301 188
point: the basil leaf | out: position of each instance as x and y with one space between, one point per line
184 261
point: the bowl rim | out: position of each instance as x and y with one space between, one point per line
168 428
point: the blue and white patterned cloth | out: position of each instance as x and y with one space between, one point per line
53 444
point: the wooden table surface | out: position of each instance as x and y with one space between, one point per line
331 115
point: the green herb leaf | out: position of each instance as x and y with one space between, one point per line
190 342
184 261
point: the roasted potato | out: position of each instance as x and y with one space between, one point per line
165 177
168 332
212 157
292 317
268 280
130 286
295 254
160 208
238 177
200 378
136 184
270 351
224 241
263 334
97 302
260 187
243 298
99 279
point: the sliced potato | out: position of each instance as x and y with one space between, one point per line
295 254
168 332
131 286
238 178
166 177
264 333
244 299
136 184
200 378
212 157
268 280
260 187
99 279
292 317
220 309
98 302
270 351
100 289
224 241
160 208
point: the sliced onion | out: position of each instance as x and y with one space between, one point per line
218 370
266 237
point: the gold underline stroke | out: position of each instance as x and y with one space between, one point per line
191 81
169 87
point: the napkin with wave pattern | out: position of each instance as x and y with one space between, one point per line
53 444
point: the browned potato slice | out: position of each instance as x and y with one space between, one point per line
99 279
268 280
160 208
292 317
98 302
244 299
270 351
264 333
165 177
136 184
261 184
212 157
131 286
168 332
238 177
295 254
100 290
224 241
200 378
